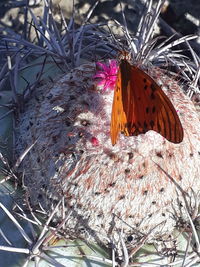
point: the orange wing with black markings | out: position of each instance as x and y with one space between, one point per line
140 105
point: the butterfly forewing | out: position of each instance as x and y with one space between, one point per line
140 105
118 118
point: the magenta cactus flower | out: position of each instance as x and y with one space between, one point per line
107 75
94 141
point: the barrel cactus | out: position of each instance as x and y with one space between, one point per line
126 196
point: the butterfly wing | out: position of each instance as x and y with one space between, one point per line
144 106
153 109
118 117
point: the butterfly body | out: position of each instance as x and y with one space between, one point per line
140 105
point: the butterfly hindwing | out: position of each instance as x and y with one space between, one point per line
140 105
153 109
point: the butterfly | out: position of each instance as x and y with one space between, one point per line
140 105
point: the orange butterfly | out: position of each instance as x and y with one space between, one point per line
140 105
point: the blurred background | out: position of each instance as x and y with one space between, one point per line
182 15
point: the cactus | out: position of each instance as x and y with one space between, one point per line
82 197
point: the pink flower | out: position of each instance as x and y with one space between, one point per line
94 141
107 75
